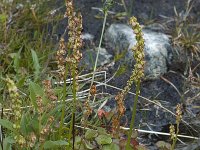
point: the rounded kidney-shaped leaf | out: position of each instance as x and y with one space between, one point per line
103 139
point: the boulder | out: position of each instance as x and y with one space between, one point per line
158 50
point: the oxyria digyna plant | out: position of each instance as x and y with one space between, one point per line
68 57
137 74
70 52
16 104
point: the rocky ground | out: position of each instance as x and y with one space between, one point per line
168 87
172 73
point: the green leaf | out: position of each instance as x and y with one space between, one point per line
55 144
101 130
7 143
88 145
24 124
56 109
103 139
7 124
111 146
34 124
78 143
21 82
120 56
54 112
78 139
36 63
35 90
163 145
91 134
16 64
3 18
122 69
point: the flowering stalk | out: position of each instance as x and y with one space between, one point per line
138 71
172 128
70 57
106 7
137 74
16 107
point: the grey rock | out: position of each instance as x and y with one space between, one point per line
195 145
158 50
89 57
87 36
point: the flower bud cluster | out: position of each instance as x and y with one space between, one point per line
93 90
74 33
172 132
32 139
178 113
115 124
16 104
20 140
70 53
61 58
46 130
87 109
120 103
138 53
138 72
49 94
40 106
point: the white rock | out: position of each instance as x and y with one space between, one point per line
158 50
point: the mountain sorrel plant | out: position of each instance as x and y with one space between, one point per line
138 71
172 128
68 57
137 74
16 107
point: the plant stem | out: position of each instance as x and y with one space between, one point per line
74 106
125 8
63 102
128 11
133 115
100 42
71 131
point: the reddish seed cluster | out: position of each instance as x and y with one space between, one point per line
49 91
70 52
93 90
46 130
137 73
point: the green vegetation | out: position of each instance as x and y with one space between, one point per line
41 107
